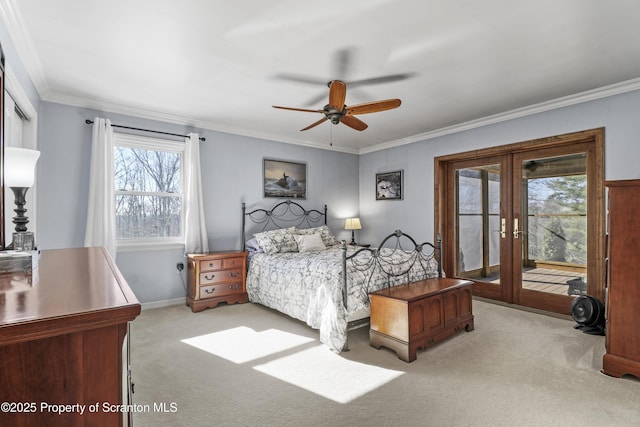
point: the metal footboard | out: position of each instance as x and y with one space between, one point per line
414 257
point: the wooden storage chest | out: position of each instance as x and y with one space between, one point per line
420 314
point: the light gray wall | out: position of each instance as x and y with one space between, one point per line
231 174
232 171
617 114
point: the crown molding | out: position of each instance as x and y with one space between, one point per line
183 121
578 98
24 46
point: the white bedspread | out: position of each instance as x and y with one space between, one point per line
308 286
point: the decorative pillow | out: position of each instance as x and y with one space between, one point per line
275 241
252 245
327 237
309 242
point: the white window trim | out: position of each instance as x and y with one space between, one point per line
142 245
150 143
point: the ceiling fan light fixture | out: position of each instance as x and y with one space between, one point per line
345 114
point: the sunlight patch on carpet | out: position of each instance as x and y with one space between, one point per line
243 344
328 374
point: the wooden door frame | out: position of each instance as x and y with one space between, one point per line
486 289
596 215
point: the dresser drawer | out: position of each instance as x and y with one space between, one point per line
210 264
219 290
210 277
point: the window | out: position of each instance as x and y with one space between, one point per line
149 195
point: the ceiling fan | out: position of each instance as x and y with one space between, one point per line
337 112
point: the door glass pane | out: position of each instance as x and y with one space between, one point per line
554 225
494 216
478 217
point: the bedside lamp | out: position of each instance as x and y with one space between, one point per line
19 175
352 224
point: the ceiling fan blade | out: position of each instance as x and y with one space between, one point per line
314 124
300 79
316 99
298 109
354 123
337 94
373 107
383 79
342 62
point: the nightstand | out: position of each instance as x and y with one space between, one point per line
216 277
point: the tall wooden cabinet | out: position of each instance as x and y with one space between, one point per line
623 280
61 342
2 214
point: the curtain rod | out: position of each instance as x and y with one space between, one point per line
89 122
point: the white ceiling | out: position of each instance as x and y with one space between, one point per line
219 64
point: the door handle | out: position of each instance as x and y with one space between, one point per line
516 231
503 228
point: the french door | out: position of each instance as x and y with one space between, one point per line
525 222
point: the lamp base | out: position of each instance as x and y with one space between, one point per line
353 238
20 220
23 241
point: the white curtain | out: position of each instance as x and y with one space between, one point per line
195 233
101 215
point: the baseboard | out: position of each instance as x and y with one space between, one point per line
164 303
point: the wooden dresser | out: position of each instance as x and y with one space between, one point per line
420 314
216 277
623 280
61 341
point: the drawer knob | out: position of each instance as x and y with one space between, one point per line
210 291
234 274
209 278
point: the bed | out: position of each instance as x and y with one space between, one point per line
297 267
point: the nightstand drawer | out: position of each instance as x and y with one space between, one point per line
232 262
211 264
219 290
210 277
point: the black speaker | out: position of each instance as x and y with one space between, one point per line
588 312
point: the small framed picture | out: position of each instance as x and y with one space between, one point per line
284 179
389 185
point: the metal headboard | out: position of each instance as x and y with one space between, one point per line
282 215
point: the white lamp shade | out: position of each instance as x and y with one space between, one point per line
352 224
20 166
